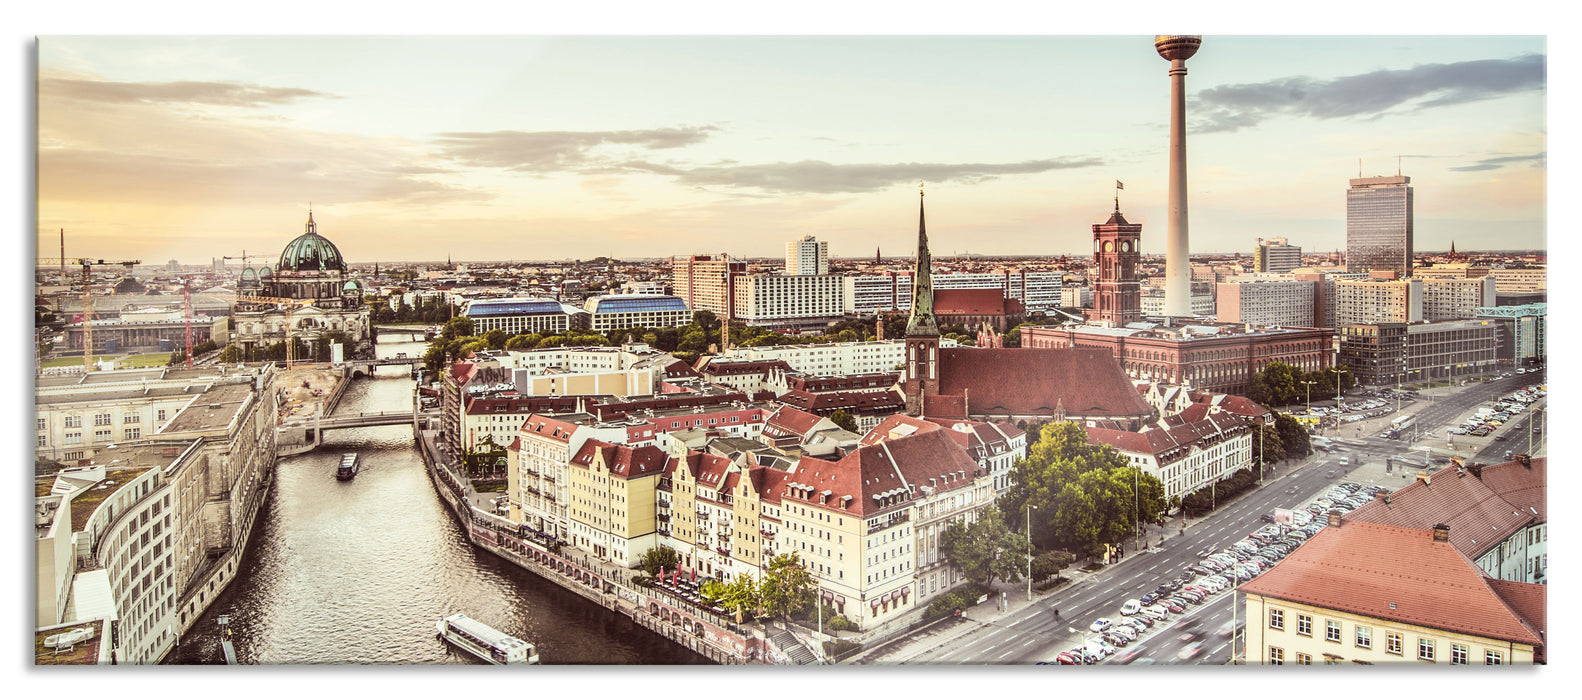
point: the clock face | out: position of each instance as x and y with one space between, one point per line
1109 246
1126 246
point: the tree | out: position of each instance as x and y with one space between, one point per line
986 549
1085 495
231 353
844 420
1047 564
1293 437
712 591
656 558
456 328
742 595
787 587
706 321
1273 446
495 339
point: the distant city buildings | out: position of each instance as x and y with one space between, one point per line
525 315
1379 215
646 310
808 256
1276 256
1380 354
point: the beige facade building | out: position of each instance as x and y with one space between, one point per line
1366 301
1366 593
1267 301
1451 299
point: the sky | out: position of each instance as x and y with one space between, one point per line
573 147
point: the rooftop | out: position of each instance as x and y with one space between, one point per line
215 409
84 653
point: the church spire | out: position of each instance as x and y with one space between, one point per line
922 321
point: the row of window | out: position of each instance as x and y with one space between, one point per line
1394 642
99 419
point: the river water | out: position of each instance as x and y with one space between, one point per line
358 572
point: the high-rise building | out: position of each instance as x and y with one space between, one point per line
808 256
1378 301
1117 298
704 281
1272 300
1379 224
1276 255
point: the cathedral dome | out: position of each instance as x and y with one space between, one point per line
310 252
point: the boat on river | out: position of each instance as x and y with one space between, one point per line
485 642
350 464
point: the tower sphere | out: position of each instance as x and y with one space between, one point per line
1177 47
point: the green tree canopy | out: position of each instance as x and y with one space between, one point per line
844 419
986 549
1084 495
656 558
787 588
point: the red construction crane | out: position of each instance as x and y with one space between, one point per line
87 296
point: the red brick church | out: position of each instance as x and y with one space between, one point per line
1007 383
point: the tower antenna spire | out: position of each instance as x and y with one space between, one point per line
1397 166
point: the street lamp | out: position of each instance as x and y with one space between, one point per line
1340 387
1532 420
1030 509
1235 583
1309 395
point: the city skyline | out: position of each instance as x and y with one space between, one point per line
562 147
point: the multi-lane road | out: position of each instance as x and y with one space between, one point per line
1035 634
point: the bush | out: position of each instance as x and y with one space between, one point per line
840 648
963 597
642 580
839 623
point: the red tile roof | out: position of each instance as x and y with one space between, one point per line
1366 568
1530 601
1480 516
878 401
789 420
1036 381
881 477
623 461
1175 438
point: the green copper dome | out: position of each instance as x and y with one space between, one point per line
310 252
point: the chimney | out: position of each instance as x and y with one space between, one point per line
1423 477
1525 460
1477 470
1441 533
1334 518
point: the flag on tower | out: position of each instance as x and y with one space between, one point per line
1120 185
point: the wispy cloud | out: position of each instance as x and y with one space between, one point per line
228 94
1232 107
555 151
819 177
1497 162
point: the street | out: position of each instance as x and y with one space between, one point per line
1029 633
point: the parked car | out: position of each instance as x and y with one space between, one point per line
1131 607
1148 598
1124 631
1156 612
1100 624
1067 658
1114 639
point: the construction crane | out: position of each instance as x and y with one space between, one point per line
87 296
186 293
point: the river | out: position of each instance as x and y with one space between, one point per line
358 572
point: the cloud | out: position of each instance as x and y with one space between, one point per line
819 177
225 94
1537 159
1232 107
553 151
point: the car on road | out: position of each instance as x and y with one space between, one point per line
1114 640
1501 436
1101 624
1267 517
1190 651
1225 629
1128 657
1131 607
1189 636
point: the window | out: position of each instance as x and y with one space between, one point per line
1304 625
74 421
160 415
101 419
133 433
1493 658
1304 659
1276 619
1365 637
1276 656
43 424
1331 631
132 418
1458 655
1392 643
1425 649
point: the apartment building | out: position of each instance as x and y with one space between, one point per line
1450 298
1367 301
835 359
808 256
794 302
1187 451
1276 255
1267 301
704 282
611 499
1368 593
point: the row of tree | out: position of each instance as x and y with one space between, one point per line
1280 384
318 350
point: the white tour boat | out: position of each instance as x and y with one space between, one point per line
485 642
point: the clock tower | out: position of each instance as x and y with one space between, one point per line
1117 298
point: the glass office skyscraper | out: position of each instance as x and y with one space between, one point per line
1379 224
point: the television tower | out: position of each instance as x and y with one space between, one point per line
1178 269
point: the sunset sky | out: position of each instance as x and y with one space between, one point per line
485 148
